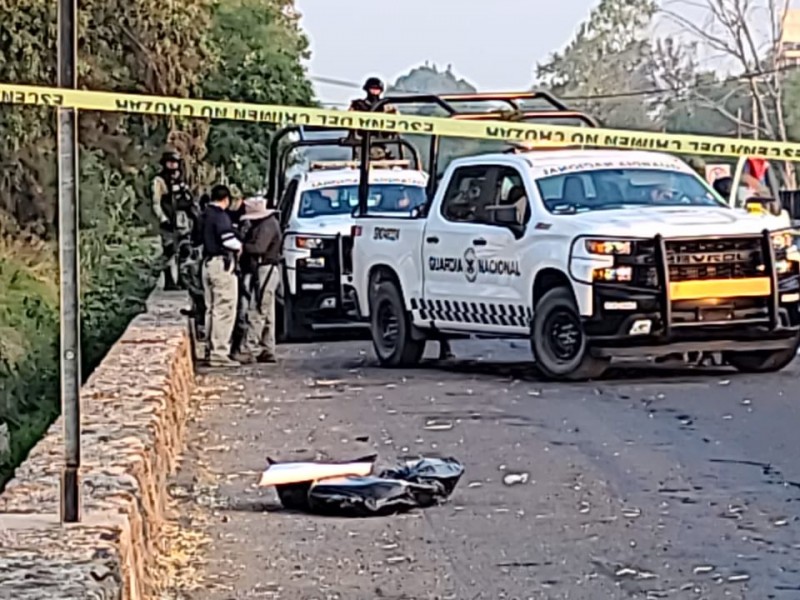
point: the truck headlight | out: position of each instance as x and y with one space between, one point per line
612 274
608 247
307 243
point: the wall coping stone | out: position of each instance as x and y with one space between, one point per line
134 409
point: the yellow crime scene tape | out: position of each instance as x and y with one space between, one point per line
509 131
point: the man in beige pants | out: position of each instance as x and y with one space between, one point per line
221 250
261 270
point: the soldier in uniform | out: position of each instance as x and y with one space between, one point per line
177 213
374 91
191 270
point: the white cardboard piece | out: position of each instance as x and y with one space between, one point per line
303 472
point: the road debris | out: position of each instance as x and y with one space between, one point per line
631 513
515 478
438 425
702 569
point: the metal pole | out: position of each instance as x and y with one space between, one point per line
69 264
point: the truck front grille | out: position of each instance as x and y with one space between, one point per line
728 258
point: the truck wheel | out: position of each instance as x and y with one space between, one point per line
391 328
557 340
290 328
763 361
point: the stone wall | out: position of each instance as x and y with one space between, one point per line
134 409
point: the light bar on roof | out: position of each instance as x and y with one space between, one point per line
534 147
322 165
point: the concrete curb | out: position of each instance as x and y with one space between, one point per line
134 413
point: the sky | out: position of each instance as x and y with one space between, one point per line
493 44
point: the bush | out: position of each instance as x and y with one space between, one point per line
118 272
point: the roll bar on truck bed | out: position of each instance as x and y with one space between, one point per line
556 110
279 157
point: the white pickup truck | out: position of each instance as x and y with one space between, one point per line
316 216
591 255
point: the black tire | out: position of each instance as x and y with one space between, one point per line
564 359
291 328
763 361
391 328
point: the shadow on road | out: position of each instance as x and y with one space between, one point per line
527 371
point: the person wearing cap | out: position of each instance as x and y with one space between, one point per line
221 249
261 275
175 208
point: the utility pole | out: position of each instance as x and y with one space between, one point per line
69 264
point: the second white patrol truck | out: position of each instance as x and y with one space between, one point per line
591 255
316 215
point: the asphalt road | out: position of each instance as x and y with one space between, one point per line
648 484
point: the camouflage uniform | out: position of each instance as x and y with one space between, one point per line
377 151
176 211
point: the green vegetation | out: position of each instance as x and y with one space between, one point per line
247 50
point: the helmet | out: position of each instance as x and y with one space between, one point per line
372 82
170 156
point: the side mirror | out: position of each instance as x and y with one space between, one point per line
506 216
763 205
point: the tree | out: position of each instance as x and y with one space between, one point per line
264 46
734 29
137 46
610 53
244 50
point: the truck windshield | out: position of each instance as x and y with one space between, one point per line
341 200
608 189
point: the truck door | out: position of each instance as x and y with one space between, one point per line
285 207
473 277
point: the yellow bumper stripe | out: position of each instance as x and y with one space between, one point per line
719 288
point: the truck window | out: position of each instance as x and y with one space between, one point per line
343 199
468 193
511 191
605 189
